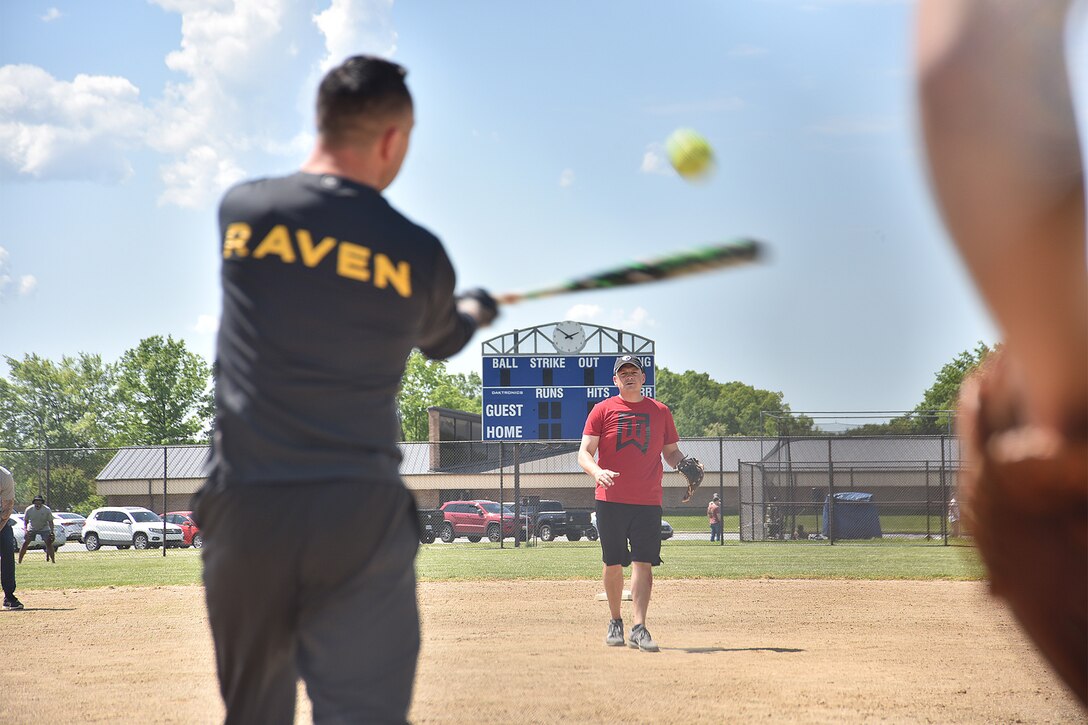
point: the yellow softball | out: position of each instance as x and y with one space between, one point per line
690 153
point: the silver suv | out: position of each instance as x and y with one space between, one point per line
125 526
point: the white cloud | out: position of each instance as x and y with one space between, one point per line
53 129
206 325
654 161
566 179
191 181
51 14
24 285
352 27
584 312
245 77
637 319
634 320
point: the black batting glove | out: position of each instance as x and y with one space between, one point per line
480 304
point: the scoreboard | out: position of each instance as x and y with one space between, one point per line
548 396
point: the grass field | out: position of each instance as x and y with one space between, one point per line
555 561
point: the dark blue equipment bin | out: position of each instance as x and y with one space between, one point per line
856 517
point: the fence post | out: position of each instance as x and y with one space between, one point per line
944 498
792 488
48 482
721 491
517 479
830 496
164 509
929 508
502 542
740 505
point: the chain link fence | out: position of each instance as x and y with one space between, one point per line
78 481
852 489
510 494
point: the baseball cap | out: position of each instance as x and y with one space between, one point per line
37 499
625 360
715 496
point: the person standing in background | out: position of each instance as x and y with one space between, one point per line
7 540
714 516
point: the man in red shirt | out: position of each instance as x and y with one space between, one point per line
714 516
629 434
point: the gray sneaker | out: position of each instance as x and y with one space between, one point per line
641 639
614 638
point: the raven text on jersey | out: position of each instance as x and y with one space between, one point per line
353 261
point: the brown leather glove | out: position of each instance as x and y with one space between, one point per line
1024 493
691 469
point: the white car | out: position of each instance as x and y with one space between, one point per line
18 527
125 526
72 523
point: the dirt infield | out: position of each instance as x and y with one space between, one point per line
533 652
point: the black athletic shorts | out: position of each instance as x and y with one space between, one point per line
620 523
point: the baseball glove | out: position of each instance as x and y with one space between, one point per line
692 470
1025 500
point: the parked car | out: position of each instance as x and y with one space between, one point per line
666 530
666 527
190 531
18 527
125 526
72 523
476 519
430 523
550 519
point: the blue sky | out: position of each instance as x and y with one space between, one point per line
537 155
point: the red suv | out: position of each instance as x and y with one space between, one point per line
189 529
477 519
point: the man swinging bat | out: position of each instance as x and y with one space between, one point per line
326 290
630 434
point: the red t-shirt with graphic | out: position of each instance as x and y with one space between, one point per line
631 438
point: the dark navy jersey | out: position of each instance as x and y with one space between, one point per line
326 290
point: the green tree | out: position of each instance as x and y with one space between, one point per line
68 409
943 395
932 416
72 486
165 393
426 383
701 406
49 405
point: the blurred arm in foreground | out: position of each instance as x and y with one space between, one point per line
1005 157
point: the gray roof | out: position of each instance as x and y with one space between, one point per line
466 457
882 450
139 464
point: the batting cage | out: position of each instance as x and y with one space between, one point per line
851 488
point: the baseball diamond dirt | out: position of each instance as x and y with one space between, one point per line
533 652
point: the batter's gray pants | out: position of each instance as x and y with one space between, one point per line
315 581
